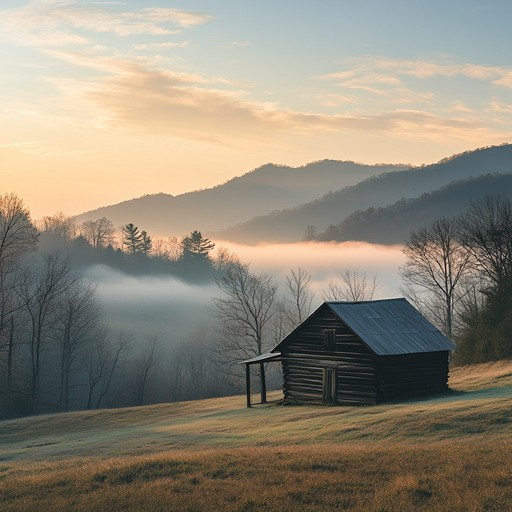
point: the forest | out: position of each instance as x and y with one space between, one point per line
59 352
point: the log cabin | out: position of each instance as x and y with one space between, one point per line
361 353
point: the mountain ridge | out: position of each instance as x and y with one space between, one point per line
288 225
257 192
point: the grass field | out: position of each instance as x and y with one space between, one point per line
447 453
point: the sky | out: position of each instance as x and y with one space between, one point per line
103 101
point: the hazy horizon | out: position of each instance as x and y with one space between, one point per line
105 101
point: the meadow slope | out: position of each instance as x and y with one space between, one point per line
451 452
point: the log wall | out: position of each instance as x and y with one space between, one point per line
412 375
305 361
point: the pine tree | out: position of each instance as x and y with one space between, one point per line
146 242
196 246
132 239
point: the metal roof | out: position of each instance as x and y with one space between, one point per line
262 358
391 326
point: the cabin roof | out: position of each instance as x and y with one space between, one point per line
263 358
388 327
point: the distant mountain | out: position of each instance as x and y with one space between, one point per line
379 191
393 224
262 190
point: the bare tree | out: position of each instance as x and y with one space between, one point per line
436 264
245 310
170 248
299 297
143 366
224 258
59 225
486 233
18 236
310 233
104 361
99 233
77 326
40 291
353 286
17 232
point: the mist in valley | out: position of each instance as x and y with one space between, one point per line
166 307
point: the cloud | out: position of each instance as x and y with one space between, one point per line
56 23
367 67
396 80
428 69
136 96
161 46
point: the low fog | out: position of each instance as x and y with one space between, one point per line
170 309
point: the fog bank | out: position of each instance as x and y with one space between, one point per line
168 308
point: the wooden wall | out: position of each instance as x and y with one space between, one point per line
412 375
305 361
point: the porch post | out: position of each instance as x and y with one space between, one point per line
263 384
248 384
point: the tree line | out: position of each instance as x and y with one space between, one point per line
57 351
459 273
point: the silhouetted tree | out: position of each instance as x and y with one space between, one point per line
196 246
310 233
486 232
18 236
17 232
436 263
487 235
142 369
41 290
132 238
245 310
59 225
146 244
99 233
353 286
77 326
102 364
299 297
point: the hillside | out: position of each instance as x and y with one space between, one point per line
255 193
380 191
217 455
393 224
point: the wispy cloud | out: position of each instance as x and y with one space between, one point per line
199 107
161 46
36 22
372 68
397 80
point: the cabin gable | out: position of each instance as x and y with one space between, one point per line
325 362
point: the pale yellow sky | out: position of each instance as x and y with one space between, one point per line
105 101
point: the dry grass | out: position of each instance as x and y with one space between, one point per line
447 453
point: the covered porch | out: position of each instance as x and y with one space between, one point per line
259 360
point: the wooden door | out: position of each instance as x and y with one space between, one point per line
330 388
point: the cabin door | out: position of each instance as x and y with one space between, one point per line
330 388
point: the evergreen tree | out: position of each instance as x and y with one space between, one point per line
132 238
146 242
196 246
